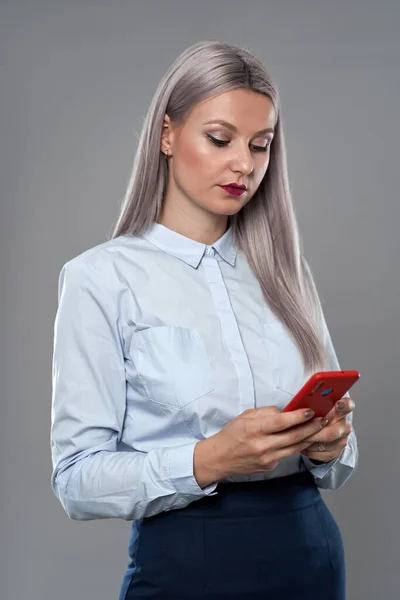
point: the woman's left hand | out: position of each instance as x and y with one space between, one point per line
328 444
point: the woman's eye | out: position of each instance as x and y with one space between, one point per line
260 148
218 142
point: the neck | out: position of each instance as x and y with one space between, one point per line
203 232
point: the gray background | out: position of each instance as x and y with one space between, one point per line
76 81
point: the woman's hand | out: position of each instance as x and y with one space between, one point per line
254 442
329 443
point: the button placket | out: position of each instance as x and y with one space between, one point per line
230 330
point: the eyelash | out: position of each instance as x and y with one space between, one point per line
221 143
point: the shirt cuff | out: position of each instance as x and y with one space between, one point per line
180 472
319 471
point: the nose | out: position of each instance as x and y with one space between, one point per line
242 160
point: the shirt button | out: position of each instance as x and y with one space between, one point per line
210 251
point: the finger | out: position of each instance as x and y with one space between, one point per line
321 448
296 435
325 457
281 421
332 433
326 451
281 453
342 408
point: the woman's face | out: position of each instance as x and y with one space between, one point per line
206 154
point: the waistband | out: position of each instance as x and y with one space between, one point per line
252 498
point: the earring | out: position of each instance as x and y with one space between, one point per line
166 155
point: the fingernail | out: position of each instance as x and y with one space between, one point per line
340 405
324 422
309 413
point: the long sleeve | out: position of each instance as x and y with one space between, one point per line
334 474
93 477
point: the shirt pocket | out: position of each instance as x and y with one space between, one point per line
173 364
284 364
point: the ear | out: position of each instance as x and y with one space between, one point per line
166 135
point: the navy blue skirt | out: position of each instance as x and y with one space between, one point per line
272 540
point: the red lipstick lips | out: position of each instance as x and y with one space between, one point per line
234 189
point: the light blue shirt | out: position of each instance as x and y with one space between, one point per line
160 341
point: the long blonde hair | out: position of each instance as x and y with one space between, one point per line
265 228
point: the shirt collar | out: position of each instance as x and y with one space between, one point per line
187 249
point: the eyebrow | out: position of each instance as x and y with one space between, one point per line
233 128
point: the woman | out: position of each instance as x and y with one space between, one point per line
178 342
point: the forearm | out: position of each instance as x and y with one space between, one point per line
128 485
208 467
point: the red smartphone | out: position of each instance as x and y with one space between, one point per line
322 391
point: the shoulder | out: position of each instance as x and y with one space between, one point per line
101 262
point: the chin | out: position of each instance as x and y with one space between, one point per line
227 209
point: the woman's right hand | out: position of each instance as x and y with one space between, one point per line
259 438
